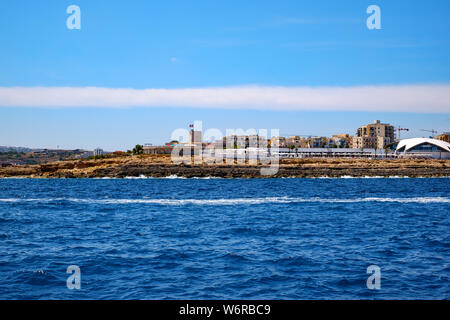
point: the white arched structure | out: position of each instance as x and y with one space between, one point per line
425 147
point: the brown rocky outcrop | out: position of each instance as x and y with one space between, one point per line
161 166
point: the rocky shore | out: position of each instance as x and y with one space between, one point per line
161 166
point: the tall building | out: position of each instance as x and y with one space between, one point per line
195 137
375 136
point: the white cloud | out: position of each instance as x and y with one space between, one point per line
401 98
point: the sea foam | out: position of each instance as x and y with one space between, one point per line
232 201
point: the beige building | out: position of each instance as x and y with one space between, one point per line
157 149
444 137
296 142
256 141
241 142
370 142
342 140
195 137
278 141
375 136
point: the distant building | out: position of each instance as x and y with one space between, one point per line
98 152
423 148
231 142
220 144
444 137
149 149
317 142
84 155
195 137
370 142
281 142
241 142
342 140
296 142
375 135
257 141
377 129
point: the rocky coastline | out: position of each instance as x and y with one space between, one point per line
161 166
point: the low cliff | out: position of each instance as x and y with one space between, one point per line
161 166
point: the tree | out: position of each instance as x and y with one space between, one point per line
138 149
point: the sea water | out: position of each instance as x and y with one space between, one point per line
224 238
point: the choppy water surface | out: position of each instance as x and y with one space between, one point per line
223 239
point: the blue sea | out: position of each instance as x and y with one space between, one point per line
225 238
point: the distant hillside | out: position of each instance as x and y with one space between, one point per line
21 156
17 149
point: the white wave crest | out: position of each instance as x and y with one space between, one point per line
235 201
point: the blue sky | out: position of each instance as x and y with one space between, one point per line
203 44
